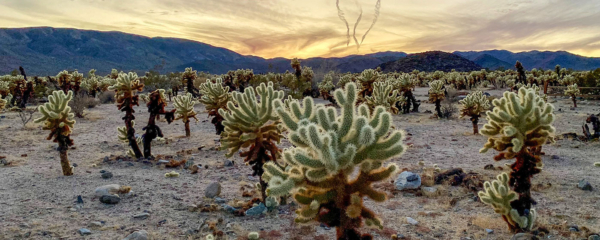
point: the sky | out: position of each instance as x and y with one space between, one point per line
312 28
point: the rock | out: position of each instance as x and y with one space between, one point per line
584 185
489 231
142 216
84 231
524 236
137 235
106 159
228 163
594 237
110 199
96 224
107 190
555 157
489 167
429 191
213 190
220 200
228 208
107 175
257 210
574 229
162 162
411 221
325 226
188 163
408 180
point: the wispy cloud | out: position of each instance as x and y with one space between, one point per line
308 28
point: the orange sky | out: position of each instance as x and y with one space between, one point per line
311 28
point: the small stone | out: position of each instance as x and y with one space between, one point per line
106 159
107 175
408 180
594 237
220 200
489 231
574 228
213 190
325 226
257 210
188 163
584 185
411 221
74 165
228 208
96 224
489 167
85 231
162 162
110 199
228 163
102 171
524 236
107 190
142 216
137 235
555 157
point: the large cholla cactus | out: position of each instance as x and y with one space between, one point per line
251 125
572 91
472 106
215 97
57 118
156 107
328 148
126 87
518 125
436 95
184 105
188 78
384 96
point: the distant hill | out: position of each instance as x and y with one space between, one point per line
488 61
46 51
532 59
429 62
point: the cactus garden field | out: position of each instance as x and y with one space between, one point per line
371 155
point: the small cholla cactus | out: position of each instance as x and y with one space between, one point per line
366 80
384 96
184 105
252 125
126 87
3 103
406 84
328 148
517 127
326 86
344 79
57 118
472 106
144 97
215 97
573 91
188 78
156 107
436 95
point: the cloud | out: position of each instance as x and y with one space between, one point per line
309 28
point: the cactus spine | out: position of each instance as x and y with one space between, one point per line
185 110
517 127
215 97
472 106
436 95
252 125
328 147
57 118
125 89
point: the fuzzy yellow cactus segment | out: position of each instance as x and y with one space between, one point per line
328 147
214 97
184 104
573 91
252 126
385 97
57 117
253 236
597 164
472 106
499 195
518 121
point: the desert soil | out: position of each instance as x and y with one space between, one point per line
37 202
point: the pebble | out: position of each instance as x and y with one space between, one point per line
228 208
96 224
162 162
142 216
219 200
325 226
137 235
594 237
489 231
408 180
107 175
257 210
429 190
228 163
213 190
584 185
110 199
524 236
85 231
188 163
411 221
555 157
107 190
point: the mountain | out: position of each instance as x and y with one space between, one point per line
488 61
430 61
532 59
46 51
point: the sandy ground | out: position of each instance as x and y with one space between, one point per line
37 202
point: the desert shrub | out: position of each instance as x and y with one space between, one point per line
81 102
106 97
26 114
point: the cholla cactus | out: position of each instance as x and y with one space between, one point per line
366 80
3 103
498 195
472 106
572 91
517 127
567 80
185 110
344 79
215 97
156 107
251 125
436 95
126 87
57 118
406 84
385 97
188 78
328 148
326 86
144 97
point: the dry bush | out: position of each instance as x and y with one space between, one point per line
107 97
26 114
81 102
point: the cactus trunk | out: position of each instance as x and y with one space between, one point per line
438 108
64 158
475 120
520 179
187 129
346 230
574 101
131 134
